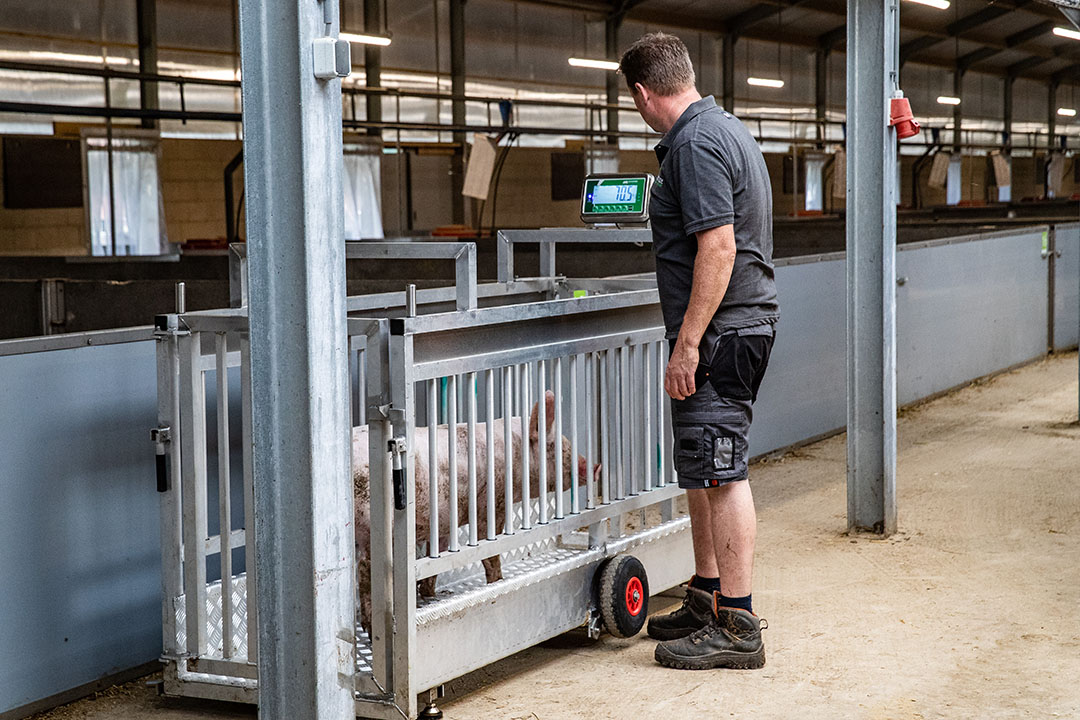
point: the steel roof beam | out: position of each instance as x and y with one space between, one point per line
957 28
642 12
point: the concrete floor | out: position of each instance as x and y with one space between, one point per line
971 611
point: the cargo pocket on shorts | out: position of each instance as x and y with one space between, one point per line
690 452
723 452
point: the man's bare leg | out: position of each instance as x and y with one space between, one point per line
702 532
697 607
734 526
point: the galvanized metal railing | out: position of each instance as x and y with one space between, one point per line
549 499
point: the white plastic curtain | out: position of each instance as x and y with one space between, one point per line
363 194
139 226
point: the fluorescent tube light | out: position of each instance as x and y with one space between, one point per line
947 100
365 39
764 82
1067 33
1067 112
939 4
595 64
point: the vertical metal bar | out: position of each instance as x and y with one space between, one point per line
373 24
193 470
380 505
633 426
433 468
457 106
109 159
605 399
504 251
575 490
451 457
661 435
168 373
249 499
1051 124
1051 244
557 383
489 423
669 461
465 278
526 504
958 112
647 395
508 449
146 22
547 258
299 363
622 373
728 51
403 541
224 490
590 436
470 405
361 390
541 443
871 272
611 48
821 91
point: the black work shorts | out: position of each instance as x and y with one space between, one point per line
711 427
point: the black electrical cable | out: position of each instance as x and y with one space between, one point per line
513 137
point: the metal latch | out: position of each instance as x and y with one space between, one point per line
161 436
398 447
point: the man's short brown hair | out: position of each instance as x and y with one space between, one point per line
660 62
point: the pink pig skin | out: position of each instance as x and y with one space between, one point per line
419 453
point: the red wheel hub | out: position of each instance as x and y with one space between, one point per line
635 596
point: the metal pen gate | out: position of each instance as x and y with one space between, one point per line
477 377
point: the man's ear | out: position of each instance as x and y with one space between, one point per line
641 91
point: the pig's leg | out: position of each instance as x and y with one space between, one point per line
427 587
493 568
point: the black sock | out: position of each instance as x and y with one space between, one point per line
709 585
742 603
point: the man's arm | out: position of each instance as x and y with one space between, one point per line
712 271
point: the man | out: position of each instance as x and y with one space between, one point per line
711 213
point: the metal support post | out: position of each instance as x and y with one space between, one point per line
457 106
611 41
1007 105
1051 122
958 113
872 67
305 563
146 21
821 97
373 23
728 83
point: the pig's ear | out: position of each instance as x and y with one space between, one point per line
549 415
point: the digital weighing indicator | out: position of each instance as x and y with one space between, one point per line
616 198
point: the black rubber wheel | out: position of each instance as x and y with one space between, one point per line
624 596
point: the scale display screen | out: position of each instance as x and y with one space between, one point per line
616 198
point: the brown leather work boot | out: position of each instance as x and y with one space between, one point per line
731 639
694 613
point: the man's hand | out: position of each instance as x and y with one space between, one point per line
679 378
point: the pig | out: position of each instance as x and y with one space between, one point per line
419 453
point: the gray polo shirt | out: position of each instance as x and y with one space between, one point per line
712 173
